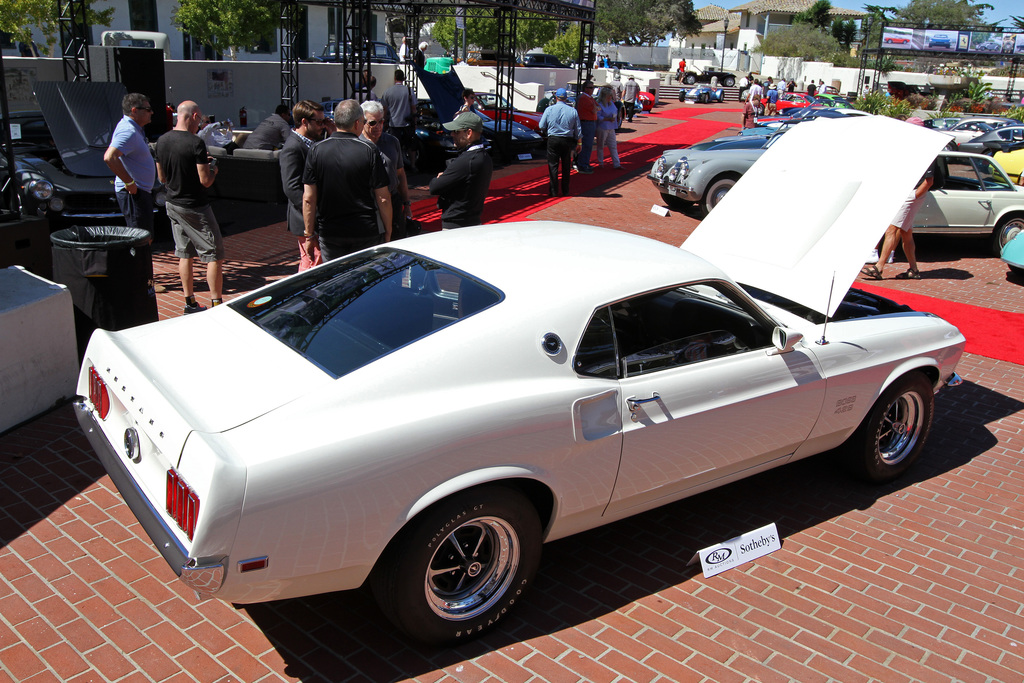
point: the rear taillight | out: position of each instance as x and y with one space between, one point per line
182 503
98 393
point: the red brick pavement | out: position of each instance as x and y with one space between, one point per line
917 580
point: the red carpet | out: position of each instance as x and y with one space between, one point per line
990 333
696 110
518 195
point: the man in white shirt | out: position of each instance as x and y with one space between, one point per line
756 93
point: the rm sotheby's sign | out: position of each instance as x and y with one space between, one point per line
736 551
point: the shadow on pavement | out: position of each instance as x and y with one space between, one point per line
593 574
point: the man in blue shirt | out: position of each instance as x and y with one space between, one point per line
562 125
128 156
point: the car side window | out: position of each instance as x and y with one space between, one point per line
961 175
668 329
991 177
595 355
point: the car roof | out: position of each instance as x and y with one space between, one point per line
547 260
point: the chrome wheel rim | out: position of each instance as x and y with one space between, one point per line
1009 231
472 568
900 428
719 194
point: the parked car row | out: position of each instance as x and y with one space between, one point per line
972 194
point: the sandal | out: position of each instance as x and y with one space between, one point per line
910 274
871 272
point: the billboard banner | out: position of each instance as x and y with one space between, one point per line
996 43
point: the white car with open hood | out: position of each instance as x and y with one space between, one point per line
424 415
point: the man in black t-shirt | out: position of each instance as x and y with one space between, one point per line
345 185
462 188
185 168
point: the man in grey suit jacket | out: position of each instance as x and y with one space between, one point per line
311 126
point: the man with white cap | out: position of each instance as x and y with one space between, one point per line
562 125
462 188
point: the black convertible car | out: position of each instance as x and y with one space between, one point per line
46 187
705 75
64 178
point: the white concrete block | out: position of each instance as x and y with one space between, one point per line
38 353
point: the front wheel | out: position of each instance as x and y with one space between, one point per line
715 193
457 569
703 98
1007 229
689 79
893 433
729 81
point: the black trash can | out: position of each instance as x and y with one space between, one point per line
109 272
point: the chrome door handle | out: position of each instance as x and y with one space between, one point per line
633 401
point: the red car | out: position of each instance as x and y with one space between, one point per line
792 100
487 103
896 39
646 100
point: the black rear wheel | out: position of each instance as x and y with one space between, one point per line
457 569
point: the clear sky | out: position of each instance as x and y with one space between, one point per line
1004 9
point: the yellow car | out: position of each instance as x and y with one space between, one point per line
1012 163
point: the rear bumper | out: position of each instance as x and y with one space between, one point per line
162 536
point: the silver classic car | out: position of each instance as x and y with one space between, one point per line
703 176
422 416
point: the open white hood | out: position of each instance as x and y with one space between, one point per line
802 221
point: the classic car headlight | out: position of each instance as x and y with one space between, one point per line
56 204
659 167
40 189
679 171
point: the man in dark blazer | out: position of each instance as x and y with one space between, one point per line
311 125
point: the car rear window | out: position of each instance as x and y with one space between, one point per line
352 311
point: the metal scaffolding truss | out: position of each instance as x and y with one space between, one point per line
74 41
871 58
355 32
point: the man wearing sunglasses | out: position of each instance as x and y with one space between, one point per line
311 126
128 156
391 152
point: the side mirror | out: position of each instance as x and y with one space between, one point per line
785 340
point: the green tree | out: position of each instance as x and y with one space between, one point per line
844 31
944 12
533 30
19 17
801 40
818 15
566 45
679 16
632 22
229 25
